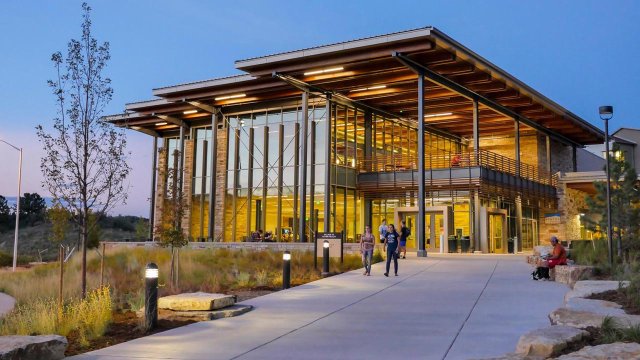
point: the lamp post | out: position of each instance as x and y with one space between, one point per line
325 258
606 113
150 296
15 239
286 270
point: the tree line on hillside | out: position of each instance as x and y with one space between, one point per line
34 211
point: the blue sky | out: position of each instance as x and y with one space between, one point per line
581 54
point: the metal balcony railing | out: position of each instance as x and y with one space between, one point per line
484 158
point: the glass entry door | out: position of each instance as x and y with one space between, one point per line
410 219
497 243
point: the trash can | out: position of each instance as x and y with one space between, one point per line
453 244
465 244
510 249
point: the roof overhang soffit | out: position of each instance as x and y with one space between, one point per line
346 101
436 78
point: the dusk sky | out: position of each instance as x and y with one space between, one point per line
581 54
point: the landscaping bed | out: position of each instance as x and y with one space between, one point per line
618 297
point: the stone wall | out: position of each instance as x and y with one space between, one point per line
561 157
571 203
161 179
505 146
187 181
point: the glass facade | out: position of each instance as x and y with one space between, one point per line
262 191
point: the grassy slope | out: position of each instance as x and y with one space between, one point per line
35 238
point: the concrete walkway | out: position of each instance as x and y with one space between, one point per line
442 307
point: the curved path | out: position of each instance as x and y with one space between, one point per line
441 307
7 303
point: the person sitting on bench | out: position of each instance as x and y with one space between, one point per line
557 257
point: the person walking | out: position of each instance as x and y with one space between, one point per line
367 243
404 234
391 247
383 230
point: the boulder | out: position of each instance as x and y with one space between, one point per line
615 351
586 288
230 311
570 274
548 341
595 306
584 319
14 347
198 301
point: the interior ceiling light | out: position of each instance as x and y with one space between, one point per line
190 112
436 115
227 97
161 123
136 127
324 71
370 88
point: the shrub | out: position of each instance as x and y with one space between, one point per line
89 318
612 332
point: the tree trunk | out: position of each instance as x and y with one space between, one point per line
85 232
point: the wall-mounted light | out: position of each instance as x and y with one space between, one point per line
437 115
227 97
370 88
324 71
187 112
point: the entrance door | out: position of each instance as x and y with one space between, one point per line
411 224
497 243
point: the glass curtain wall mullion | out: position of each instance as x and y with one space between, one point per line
250 180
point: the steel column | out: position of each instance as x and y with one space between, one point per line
312 184
327 166
152 207
303 177
212 180
296 167
518 243
422 252
477 225
280 171
252 136
265 179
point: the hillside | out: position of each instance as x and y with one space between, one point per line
33 239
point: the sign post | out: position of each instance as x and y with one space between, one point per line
336 246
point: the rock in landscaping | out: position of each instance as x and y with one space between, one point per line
198 301
570 274
230 311
586 288
584 319
601 307
50 347
548 341
615 351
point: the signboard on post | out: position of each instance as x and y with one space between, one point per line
335 244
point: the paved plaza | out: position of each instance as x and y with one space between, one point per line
441 307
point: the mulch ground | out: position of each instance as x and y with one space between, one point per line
618 297
127 326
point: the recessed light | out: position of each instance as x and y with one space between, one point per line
324 71
370 88
190 112
161 123
227 97
436 115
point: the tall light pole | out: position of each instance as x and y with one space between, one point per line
15 239
606 113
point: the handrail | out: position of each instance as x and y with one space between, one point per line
484 158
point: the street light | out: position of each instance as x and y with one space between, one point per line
15 239
606 113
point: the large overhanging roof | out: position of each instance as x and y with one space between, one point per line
366 71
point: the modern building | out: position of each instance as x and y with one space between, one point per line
410 125
574 187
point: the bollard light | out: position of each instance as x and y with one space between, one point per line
286 270
151 297
325 258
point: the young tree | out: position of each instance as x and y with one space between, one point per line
625 204
169 232
84 166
